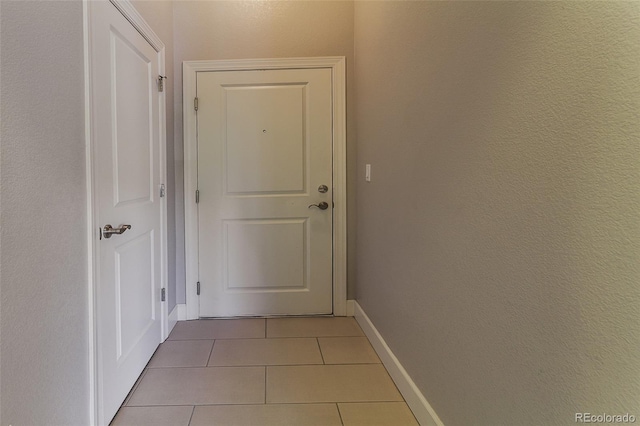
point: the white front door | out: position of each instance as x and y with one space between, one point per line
265 192
126 134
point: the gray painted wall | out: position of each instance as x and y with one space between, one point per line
255 29
499 239
44 325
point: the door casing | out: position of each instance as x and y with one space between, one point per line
137 21
189 73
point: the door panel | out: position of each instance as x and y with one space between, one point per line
133 142
126 134
135 281
267 156
266 254
264 148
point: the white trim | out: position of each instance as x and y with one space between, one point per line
190 186
265 63
164 272
425 414
173 319
351 307
173 316
189 73
182 312
91 250
131 14
164 305
179 313
339 189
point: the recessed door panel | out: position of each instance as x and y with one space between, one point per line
132 126
265 139
263 255
135 278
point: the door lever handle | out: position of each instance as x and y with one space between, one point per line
109 230
322 206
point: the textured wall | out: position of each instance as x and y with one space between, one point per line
263 29
499 239
159 16
43 257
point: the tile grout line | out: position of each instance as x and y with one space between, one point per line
193 410
222 404
305 336
320 349
262 338
133 389
215 338
174 405
269 365
210 353
339 414
277 365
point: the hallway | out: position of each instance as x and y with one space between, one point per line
259 372
493 250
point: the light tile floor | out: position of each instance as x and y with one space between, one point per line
260 372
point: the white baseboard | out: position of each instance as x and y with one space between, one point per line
421 408
173 319
182 311
173 316
351 306
179 313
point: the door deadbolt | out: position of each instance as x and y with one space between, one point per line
323 189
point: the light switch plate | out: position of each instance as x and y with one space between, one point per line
367 173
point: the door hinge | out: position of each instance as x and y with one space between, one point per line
197 196
161 79
163 295
195 104
198 288
163 191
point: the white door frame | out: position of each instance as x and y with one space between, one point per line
133 16
189 74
